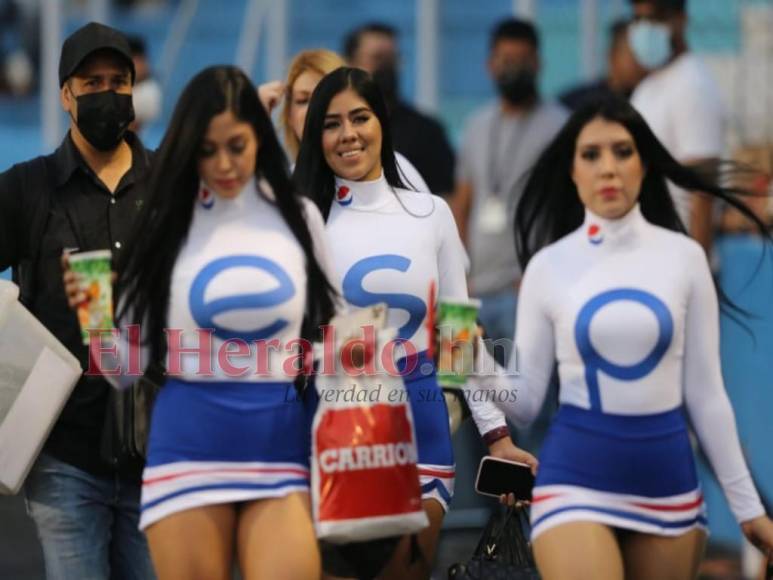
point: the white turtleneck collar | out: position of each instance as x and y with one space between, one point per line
210 203
362 195
613 232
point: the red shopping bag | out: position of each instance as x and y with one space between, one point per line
365 482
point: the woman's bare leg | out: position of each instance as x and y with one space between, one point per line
667 558
579 551
195 544
276 539
400 566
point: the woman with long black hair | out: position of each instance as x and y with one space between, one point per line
226 257
306 70
624 301
391 245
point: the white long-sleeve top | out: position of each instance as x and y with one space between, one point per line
381 252
389 245
241 274
630 312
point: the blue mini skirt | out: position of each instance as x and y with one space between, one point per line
223 442
633 472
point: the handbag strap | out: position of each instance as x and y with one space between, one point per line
506 541
491 535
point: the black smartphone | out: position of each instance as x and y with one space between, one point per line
500 476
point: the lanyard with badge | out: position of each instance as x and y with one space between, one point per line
493 213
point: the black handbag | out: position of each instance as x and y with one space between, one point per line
503 552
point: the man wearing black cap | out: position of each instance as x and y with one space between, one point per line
82 493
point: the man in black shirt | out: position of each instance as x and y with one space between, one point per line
373 47
83 497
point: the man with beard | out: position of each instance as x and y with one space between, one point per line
500 144
419 137
83 492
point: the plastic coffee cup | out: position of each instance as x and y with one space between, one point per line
457 330
94 271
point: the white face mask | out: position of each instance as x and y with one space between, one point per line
147 101
650 43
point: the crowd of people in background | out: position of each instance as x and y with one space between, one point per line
19 54
548 211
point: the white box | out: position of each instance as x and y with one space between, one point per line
37 375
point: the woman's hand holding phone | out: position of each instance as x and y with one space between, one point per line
505 449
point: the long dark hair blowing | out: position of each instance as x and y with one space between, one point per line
550 206
173 183
312 174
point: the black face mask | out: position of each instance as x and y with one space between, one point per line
518 86
104 117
